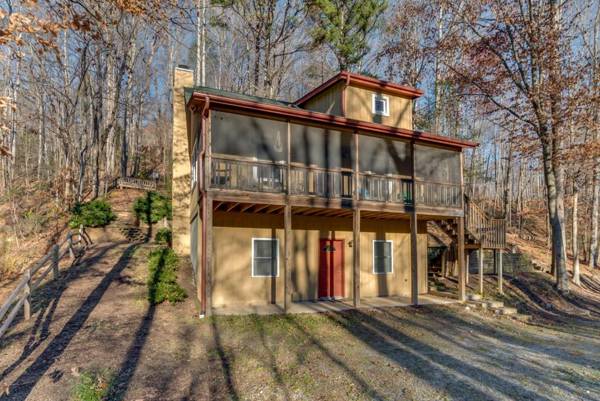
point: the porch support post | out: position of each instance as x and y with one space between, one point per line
467 266
481 271
287 265
461 258
208 259
414 257
414 260
500 278
356 257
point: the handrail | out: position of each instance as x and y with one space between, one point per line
490 232
21 295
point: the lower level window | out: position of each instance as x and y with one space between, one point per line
265 257
383 259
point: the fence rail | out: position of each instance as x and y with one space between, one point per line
20 297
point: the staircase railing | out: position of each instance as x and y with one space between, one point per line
490 232
20 297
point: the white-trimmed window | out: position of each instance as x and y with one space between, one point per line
381 105
383 256
265 257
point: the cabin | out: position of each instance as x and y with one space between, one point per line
325 198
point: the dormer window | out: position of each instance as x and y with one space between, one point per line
381 105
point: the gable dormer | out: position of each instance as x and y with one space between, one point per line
363 98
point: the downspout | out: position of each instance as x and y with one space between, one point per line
203 204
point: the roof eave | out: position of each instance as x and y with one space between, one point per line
364 82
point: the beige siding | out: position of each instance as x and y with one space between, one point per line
329 101
233 282
181 165
359 104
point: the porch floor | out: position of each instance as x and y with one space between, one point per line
331 306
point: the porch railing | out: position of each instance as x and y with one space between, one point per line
321 182
256 176
265 176
383 188
438 194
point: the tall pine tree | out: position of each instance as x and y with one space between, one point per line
344 26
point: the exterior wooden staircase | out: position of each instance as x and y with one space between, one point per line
481 230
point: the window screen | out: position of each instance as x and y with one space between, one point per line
241 135
265 257
322 147
382 257
384 155
437 165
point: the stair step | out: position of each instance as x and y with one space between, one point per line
495 304
506 310
478 304
474 297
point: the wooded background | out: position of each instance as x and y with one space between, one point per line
85 92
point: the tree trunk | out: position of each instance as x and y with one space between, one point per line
508 186
595 204
575 235
555 204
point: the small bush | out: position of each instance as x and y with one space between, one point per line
163 237
162 280
96 213
93 386
152 208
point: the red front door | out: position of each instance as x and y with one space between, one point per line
331 268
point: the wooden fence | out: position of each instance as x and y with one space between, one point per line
21 295
135 183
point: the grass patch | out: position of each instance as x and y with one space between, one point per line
96 213
162 281
93 385
152 208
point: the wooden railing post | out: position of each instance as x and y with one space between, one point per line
81 236
70 245
27 295
54 261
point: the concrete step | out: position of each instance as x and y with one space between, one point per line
506 310
478 304
474 297
495 304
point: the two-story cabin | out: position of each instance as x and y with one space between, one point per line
324 198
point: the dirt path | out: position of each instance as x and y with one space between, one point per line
98 317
